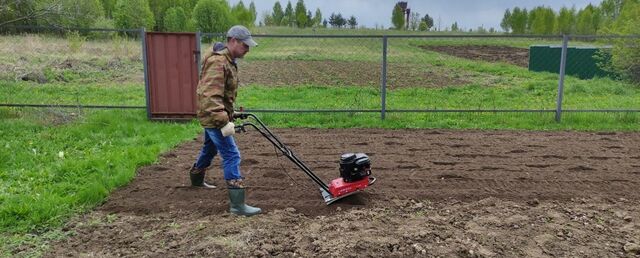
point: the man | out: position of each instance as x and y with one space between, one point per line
217 91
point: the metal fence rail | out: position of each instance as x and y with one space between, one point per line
389 62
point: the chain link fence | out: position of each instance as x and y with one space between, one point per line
350 65
70 68
367 73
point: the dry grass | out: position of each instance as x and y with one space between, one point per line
54 57
33 45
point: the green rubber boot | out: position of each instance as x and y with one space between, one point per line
237 205
197 177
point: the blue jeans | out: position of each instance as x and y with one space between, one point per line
214 142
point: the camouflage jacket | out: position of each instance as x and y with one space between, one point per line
217 89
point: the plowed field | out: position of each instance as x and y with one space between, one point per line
439 193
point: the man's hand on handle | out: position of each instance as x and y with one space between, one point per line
228 129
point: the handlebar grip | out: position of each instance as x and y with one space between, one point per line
240 115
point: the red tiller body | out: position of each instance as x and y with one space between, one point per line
339 187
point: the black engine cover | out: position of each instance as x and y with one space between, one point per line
354 166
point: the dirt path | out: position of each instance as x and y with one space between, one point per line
440 193
510 55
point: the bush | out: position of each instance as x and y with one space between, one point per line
133 14
625 55
175 19
212 16
75 41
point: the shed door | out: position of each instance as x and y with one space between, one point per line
172 74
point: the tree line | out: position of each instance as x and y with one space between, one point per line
157 15
161 15
590 20
300 17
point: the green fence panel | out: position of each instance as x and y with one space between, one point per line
582 62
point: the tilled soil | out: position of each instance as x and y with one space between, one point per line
439 193
510 55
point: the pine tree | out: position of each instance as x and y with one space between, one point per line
342 22
336 20
254 13
289 16
278 14
352 22
317 19
309 19
333 20
301 14
505 24
428 21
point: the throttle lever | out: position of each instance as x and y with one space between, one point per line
240 128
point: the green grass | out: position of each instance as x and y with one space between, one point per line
126 94
523 91
539 94
50 173
530 96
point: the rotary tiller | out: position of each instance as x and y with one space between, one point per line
355 168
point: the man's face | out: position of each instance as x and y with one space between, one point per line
237 48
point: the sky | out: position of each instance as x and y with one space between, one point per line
377 13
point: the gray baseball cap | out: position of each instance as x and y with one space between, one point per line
241 33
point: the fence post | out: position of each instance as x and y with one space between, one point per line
197 54
383 100
143 38
563 63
